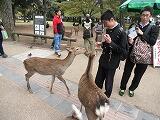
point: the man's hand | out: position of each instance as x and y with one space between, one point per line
107 38
139 31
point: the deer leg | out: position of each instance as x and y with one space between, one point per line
90 115
53 79
28 75
63 80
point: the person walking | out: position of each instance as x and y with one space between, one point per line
113 45
140 69
58 31
99 31
2 53
88 34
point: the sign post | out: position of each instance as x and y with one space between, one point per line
39 25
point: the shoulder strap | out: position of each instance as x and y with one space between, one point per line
148 29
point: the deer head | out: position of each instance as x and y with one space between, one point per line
76 50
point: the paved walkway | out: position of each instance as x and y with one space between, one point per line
12 70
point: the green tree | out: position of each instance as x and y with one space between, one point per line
7 16
93 7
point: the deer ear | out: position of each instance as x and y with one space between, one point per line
69 49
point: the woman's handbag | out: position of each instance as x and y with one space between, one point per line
141 52
4 34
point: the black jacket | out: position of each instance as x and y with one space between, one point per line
152 35
111 53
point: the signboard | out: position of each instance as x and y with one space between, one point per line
39 28
156 54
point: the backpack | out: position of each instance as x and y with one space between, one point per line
86 33
123 55
87 30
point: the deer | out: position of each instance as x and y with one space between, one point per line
95 102
54 67
68 34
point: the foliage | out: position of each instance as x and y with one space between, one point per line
81 7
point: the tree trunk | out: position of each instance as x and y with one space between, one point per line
7 17
14 15
101 6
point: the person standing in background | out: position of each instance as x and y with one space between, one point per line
58 31
88 34
1 41
99 31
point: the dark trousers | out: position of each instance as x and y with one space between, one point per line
108 76
138 73
1 47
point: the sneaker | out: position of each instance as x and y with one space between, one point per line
4 56
131 93
57 53
121 92
51 47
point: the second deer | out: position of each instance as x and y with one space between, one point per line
91 97
54 67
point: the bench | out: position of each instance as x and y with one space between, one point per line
43 37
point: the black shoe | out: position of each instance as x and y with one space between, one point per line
4 56
51 47
121 92
57 53
131 93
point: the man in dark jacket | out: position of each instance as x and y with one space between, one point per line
140 69
1 41
113 45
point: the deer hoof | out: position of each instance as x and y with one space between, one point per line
51 92
30 91
74 117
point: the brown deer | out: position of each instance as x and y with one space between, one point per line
91 97
76 28
68 34
54 67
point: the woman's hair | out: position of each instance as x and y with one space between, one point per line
107 15
147 8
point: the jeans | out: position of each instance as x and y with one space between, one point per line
57 42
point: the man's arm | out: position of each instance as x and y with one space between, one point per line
153 35
120 48
55 21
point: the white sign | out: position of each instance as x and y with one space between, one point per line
36 27
41 33
41 27
156 54
37 32
41 17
